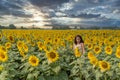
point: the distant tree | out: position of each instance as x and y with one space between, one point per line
33 26
22 27
2 27
12 26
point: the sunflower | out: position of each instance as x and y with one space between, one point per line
90 46
52 56
94 61
55 47
108 50
3 48
77 52
48 41
63 43
118 48
40 45
32 43
97 49
22 53
25 47
112 44
44 48
104 66
106 41
11 38
118 53
101 43
33 60
90 54
20 44
3 56
56 40
8 45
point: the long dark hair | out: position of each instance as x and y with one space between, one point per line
81 41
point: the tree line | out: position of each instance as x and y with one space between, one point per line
11 26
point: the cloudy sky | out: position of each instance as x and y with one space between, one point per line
47 13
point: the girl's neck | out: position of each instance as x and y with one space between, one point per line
77 43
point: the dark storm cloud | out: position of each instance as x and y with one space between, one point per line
107 10
104 22
84 15
13 7
10 4
117 3
47 3
21 14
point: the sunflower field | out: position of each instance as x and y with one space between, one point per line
49 55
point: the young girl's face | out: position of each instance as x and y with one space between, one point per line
78 39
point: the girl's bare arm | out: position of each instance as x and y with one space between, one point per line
73 46
83 48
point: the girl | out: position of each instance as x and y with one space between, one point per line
78 42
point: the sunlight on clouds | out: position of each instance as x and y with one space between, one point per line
66 6
38 16
66 20
8 19
38 19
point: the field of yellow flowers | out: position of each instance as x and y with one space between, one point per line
48 55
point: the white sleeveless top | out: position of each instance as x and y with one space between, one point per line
79 46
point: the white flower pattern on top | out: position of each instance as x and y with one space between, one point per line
79 47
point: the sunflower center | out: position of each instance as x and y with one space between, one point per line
25 47
118 53
55 40
40 44
91 55
108 50
33 60
8 44
11 38
89 46
20 44
2 56
104 65
94 61
49 39
97 49
3 49
52 55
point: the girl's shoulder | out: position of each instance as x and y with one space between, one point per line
82 44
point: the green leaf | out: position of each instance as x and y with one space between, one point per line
77 78
3 75
63 76
31 69
30 77
41 78
36 73
56 69
98 74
